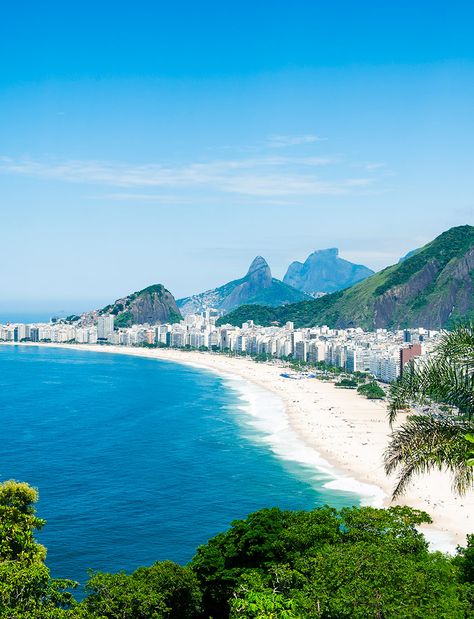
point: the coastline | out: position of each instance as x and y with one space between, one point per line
340 434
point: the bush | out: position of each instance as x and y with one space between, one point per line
372 391
163 590
346 383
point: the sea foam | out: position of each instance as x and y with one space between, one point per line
264 414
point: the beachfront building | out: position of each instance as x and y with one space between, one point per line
408 353
105 327
382 353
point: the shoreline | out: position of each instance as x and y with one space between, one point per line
342 433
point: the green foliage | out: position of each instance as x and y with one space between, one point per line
72 318
174 317
446 378
301 313
18 523
356 563
260 314
154 289
470 457
465 561
262 357
122 308
359 562
437 439
26 589
29 591
157 289
368 580
276 295
125 319
346 383
148 345
424 443
449 245
258 598
360 376
372 391
163 590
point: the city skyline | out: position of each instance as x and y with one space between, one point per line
174 151
383 353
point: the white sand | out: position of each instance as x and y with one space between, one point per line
345 431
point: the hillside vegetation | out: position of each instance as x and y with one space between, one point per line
432 288
152 305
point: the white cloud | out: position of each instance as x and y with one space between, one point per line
283 141
374 165
260 177
142 197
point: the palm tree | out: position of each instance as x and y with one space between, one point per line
439 436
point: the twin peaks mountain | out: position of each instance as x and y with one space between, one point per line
323 271
256 287
431 287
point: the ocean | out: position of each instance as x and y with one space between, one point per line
139 460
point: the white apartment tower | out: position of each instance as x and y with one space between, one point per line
105 327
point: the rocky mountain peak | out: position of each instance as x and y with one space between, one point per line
324 271
257 286
257 264
153 305
331 252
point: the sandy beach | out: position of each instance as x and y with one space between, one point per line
345 429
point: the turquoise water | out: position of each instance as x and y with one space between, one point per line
136 460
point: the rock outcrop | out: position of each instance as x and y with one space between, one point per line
324 271
153 305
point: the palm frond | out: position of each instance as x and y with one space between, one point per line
458 345
446 377
434 381
426 443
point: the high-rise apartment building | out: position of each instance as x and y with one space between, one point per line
105 327
406 354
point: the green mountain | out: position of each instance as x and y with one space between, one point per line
325 271
152 305
431 288
256 287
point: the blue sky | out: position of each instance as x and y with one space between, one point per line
172 142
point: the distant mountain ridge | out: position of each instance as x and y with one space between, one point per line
325 271
153 305
256 287
408 255
431 288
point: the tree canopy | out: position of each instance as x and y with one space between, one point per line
27 590
357 562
